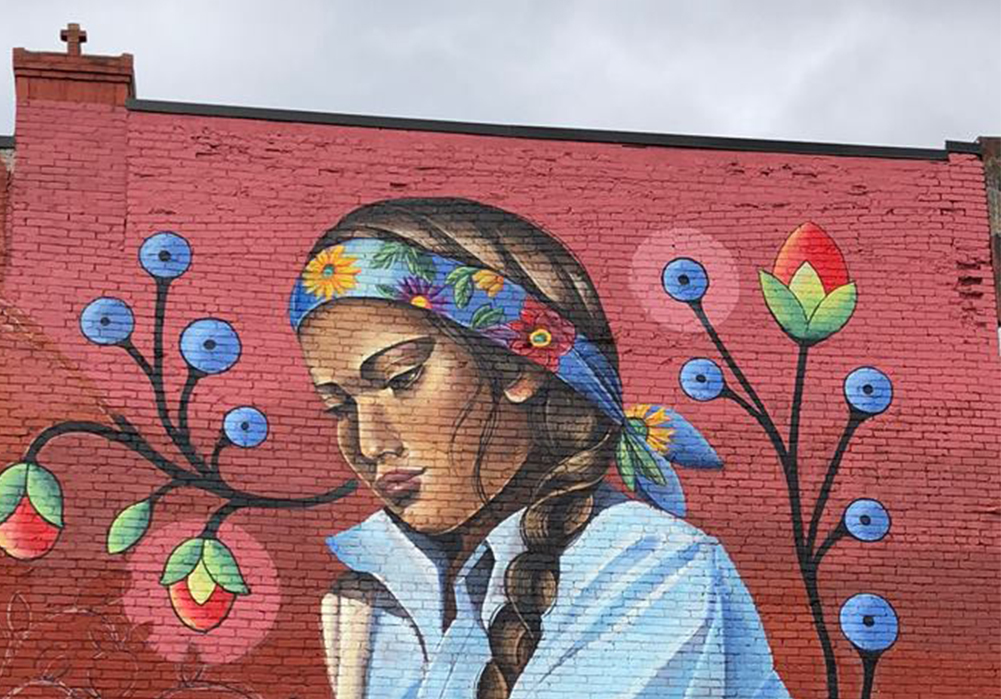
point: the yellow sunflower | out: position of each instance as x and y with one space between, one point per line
490 282
658 434
330 273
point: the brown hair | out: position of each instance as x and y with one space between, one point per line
573 441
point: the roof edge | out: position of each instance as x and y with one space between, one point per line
548 133
6 141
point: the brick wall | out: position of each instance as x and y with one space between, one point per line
95 178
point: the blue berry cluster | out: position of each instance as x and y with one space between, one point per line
208 345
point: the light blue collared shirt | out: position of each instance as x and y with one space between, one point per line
647 606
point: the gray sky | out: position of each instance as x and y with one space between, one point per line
898 72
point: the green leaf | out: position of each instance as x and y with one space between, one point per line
806 286
387 255
200 583
388 291
13 482
421 264
485 316
458 273
626 464
833 313
648 464
463 291
182 561
223 568
785 307
45 494
129 526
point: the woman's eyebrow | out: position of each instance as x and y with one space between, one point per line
408 352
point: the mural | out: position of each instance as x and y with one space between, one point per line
471 378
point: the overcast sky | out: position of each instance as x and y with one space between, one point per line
899 72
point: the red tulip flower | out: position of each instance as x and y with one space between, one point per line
808 290
31 511
203 580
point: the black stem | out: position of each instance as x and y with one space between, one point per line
211 529
762 420
131 440
854 420
807 563
159 314
791 462
163 490
836 535
138 358
209 482
766 420
182 406
809 570
183 435
221 443
869 661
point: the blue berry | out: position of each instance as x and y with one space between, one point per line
868 390
869 622
684 279
107 321
210 345
165 255
702 379
867 520
245 426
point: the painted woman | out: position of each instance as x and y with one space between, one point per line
473 379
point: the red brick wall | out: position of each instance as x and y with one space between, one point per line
251 196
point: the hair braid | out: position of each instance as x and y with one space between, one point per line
561 506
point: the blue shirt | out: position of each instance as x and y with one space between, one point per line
647 606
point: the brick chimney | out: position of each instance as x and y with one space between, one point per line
67 179
73 76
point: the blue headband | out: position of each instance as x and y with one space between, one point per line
483 301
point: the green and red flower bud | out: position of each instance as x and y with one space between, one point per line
203 580
31 510
808 290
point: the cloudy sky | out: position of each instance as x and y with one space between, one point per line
897 72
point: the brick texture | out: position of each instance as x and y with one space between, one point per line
92 180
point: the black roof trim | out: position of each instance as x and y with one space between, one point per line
6 141
971 147
628 138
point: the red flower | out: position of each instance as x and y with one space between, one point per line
541 335
810 244
31 510
203 579
25 534
203 616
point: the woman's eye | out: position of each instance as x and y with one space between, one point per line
403 381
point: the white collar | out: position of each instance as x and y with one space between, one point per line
412 567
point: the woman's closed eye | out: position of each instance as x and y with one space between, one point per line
404 380
341 410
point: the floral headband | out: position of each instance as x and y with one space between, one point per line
483 301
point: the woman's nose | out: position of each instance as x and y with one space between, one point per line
377 437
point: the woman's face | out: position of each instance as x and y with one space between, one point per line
412 410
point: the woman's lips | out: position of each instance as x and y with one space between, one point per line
400 483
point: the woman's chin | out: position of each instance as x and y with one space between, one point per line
427 518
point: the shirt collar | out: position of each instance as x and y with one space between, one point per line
412 567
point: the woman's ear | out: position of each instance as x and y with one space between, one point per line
526 384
